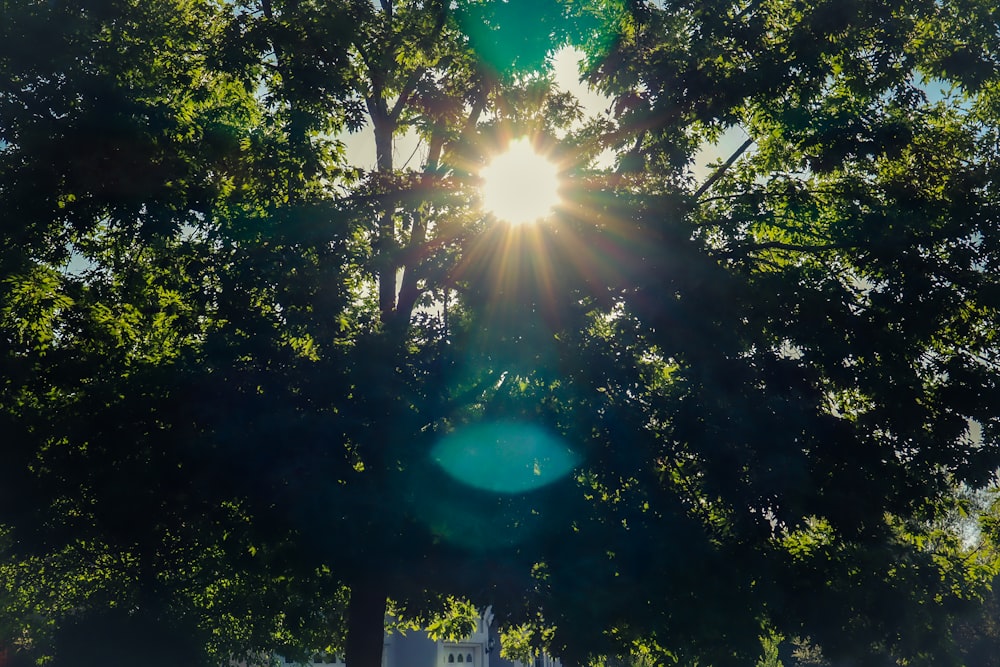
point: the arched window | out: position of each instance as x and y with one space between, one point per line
451 657
461 658
468 658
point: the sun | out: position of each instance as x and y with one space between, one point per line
520 185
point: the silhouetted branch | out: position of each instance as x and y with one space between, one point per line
722 169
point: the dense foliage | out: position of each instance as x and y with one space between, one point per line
233 351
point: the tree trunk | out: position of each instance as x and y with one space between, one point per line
366 624
385 240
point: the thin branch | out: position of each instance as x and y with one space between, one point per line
748 248
722 169
479 104
404 95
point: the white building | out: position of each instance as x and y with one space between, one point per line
416 649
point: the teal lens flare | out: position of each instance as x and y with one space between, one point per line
504 457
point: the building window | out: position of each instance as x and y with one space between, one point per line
468 658
460 658
451 657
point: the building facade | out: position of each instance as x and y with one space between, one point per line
416 649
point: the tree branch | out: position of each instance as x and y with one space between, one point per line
482 93
633 154
722 169
414 77
408 292
748 248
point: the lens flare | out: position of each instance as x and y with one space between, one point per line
504 457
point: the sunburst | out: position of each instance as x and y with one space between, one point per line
520 185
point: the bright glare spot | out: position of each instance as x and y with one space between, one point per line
504 457
520 185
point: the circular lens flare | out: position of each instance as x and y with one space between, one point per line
520 185
504 457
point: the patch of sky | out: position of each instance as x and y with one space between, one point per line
78 264
712 154
359 148
566 74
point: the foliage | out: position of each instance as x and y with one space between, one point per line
229 353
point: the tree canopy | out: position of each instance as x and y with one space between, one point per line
257 392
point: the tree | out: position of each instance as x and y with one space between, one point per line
769 381
810 300
116 518
200 165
